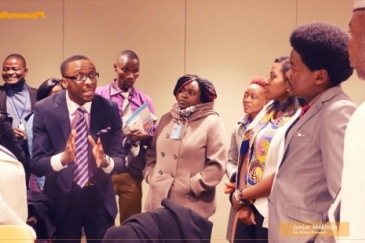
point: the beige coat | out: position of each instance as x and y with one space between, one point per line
187 170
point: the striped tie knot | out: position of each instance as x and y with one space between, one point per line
126 108
81 111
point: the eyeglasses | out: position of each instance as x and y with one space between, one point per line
82 77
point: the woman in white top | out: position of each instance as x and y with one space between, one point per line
260 153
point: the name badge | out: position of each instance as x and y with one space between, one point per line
176 131
21 126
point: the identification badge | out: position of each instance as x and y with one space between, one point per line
176 131
21 126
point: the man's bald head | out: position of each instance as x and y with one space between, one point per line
128 54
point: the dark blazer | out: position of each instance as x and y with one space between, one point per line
3 96
24 146
51 129
172 223
9 140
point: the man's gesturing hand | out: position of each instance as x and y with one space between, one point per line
69 155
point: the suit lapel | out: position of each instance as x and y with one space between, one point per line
62 115
96 111
96 114
2 99
32 96
65 177
315 108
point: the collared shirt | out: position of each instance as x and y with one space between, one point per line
18 104
72 111
136 98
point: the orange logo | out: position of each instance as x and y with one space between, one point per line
32 15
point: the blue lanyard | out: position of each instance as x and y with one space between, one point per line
25 103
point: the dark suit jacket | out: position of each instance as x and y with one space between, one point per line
33 98
3 96
172 223
51 129
9 140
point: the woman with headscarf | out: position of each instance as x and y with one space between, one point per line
187 158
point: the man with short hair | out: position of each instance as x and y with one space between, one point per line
352 195
17 99
128 186
77 149
308 178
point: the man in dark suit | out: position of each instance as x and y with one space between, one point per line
91 204
17 99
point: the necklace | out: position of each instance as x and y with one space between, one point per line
282 119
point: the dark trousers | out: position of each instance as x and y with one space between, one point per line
86 210
251 234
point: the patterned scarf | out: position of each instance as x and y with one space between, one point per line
187 111
245 152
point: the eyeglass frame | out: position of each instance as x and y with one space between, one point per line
86 76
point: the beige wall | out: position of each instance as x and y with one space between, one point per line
226 41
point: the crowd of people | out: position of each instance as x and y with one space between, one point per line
293 160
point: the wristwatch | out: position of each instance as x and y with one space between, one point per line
238 197
107 160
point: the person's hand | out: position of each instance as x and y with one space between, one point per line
20 133
69 155
137 134
235 204
98 152
230 186
246 215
